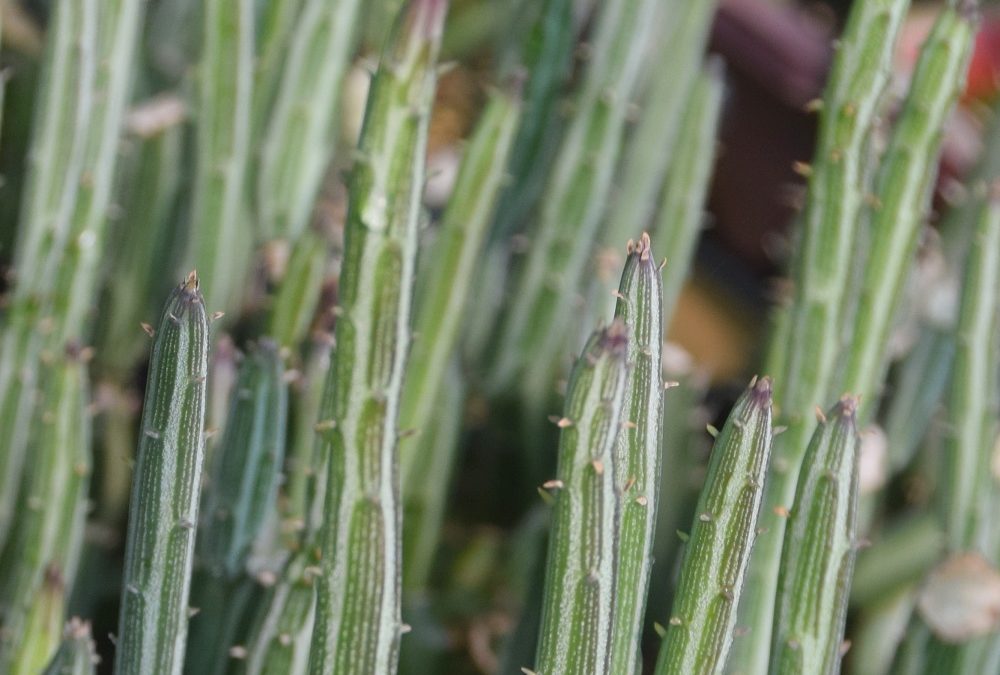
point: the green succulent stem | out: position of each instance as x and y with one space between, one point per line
577 610
822 275
700 631
535 324
358 624
218 247
637 452
817 560
903 192
76 654
37 640
163 510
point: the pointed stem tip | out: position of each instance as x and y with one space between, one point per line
761 390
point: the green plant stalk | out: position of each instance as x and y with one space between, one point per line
302 132
545 57
532 331
637 451
300 471
879 631
76 654
299 290
378 22
55 162
578 605
165 491
700 631
147 194
219 241
277 26
685 444
358 622
51 509
243 484
77 271
903 189
973 400
821 272
445 288
172 46
425 494
682 209
38 640
818 555
902 555
225 607
282 632
650 152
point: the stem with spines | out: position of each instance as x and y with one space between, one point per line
637 451
219 240
682 207
358 624
818 555
76 654
903 189
52 506
578 611
532 331
821 271
700 632
163 511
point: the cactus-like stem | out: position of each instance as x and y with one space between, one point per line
682 209
902 555
358 624
535 325
903 191
56 161
247 464
821 273
275 31
650 153
578 610
76 655
49 528
282 630
879 631
37 640
973 404
818 555
163 511
301 473
300 289
445 288
545 56
300 137
425 493
700 631
637 452
219 250
147 193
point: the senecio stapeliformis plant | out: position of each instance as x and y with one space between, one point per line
311 477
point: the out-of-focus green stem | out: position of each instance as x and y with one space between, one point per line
700 632
38 640
358 625
426 491
637 451
219 241
682 209
578 609
544 53
532 331
903 190
300 137
650 152
821 274
76 655
453 265
901 557
52 506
